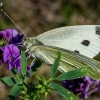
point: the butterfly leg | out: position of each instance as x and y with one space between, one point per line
32 63
27 50
30 55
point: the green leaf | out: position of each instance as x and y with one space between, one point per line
63 92
9 81
14 91
73 74
34 68
56 64
23 64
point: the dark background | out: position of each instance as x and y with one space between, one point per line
37 16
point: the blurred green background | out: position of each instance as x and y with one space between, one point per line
37 16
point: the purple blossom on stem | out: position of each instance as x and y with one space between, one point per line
11 36
29 69
82 87
9 33
9 52
12 56
7 37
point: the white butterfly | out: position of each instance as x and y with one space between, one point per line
77 44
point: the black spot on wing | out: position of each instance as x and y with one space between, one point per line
85 42
76 51
97 30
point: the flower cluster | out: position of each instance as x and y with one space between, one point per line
9 52
82 87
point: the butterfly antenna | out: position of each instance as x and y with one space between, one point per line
1 4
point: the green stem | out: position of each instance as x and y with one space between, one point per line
17 77
24 86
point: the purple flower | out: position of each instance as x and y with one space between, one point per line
12 56
82 87
29 69
5 37
9 52
10 36
9 33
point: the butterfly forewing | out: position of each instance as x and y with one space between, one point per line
83 39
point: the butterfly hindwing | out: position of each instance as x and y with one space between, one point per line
69 60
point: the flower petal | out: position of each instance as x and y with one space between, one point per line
11 33
2 34
15 33
8 33
9 66
84 94
27 74
10 50
17 64
17 39
28 68
7 54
